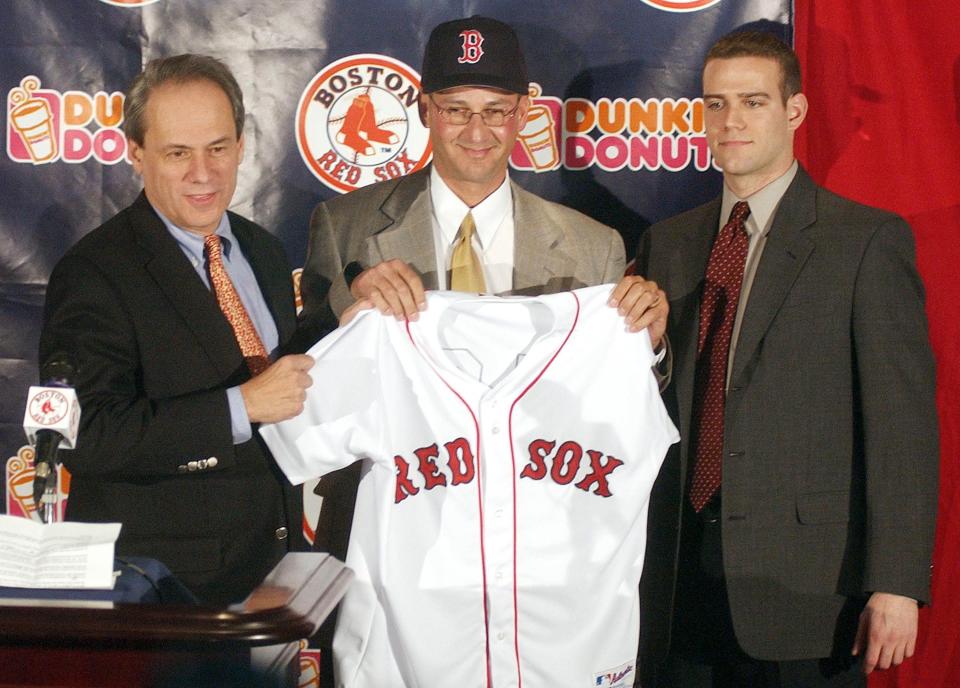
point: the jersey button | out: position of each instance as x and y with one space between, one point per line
495 431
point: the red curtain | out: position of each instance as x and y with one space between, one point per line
883 80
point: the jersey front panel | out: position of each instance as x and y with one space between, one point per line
511 446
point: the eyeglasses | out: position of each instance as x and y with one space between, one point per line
492 117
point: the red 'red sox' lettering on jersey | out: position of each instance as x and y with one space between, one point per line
459 460
565 465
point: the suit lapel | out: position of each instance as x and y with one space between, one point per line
177 279
784 255
275 282
407 230
688 265
538 253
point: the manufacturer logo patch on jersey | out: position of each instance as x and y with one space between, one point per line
472 50
358 122
49 407
618 677
681 5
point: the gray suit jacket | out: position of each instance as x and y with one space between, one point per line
830 432
556 248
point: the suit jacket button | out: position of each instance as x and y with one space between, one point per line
182 468
191 466
212 462
281 533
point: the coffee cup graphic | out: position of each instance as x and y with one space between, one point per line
33 121
537 138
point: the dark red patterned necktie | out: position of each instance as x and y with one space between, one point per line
251 346
718 309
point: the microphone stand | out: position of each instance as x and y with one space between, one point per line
45 475
49 513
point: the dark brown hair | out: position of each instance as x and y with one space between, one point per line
761 44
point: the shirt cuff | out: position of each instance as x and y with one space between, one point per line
239 421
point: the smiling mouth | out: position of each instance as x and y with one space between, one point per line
202 198
476 152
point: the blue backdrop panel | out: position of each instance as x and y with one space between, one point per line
63 61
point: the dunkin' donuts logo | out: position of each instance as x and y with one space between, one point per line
45 126
19 485
358 122
611 134
681 5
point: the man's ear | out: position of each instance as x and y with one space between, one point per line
796 110
423 107
523 110
135 155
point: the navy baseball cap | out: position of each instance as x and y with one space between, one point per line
478 51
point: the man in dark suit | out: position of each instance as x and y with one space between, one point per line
791 530
174 309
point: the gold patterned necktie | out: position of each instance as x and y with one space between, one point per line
251 346
466 272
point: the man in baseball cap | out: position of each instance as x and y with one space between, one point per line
460 224
474 101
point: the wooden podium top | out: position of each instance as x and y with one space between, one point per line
290 604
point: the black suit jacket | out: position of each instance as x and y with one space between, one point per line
155 356
830 434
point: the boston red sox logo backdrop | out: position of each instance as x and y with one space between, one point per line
358 122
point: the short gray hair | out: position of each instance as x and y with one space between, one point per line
178 69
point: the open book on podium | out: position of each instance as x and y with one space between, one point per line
56 555
64 642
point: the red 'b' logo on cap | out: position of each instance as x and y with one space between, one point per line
472 52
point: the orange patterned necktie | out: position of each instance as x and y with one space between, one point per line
718 308
251 346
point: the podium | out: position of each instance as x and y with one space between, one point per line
86 643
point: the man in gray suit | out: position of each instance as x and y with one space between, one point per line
804 489
387 243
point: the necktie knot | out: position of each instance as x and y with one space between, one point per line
467 228
211 244
740 213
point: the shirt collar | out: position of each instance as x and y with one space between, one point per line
763 203
488 215
192 243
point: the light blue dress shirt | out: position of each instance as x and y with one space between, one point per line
245 282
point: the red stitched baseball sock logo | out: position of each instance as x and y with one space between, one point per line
472 52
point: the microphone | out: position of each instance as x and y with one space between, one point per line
51 420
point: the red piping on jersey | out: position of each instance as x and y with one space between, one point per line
513 464
479 473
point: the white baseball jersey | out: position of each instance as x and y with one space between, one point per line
511 445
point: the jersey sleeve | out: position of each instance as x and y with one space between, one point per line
338 424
